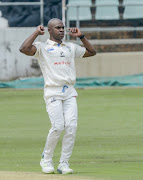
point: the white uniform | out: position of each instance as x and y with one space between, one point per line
58 68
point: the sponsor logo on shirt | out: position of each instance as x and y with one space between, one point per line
53 100
63 63
50 49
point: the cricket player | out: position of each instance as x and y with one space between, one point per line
57 62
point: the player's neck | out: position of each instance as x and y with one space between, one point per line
58 41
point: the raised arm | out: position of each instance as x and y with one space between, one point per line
27 47
90 51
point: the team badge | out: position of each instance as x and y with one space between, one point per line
62 54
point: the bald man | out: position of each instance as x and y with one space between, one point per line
57 62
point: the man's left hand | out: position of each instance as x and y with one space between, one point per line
74 32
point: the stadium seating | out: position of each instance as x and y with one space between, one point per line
109 12
127 2
133 9
84 12
109 2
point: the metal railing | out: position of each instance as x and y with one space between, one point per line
40 3
104 29
94 6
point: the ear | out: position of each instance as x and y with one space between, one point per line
49 30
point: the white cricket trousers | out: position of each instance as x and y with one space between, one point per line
63 116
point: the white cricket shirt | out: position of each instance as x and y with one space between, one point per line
57 61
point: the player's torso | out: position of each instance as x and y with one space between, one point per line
57 63
61 56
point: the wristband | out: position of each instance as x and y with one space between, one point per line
81 37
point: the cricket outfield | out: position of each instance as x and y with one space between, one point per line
109 139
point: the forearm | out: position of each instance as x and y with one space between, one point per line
88 46
90 51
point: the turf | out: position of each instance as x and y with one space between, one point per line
109 139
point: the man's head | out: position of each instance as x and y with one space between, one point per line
56 29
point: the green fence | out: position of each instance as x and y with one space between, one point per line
38 82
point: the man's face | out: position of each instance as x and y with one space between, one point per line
57 31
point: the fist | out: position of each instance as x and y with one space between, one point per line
74 32
41 30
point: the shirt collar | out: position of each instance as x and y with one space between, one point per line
54 43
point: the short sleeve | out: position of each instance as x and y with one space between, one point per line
38 47
79 51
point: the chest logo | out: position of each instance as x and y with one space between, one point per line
62 54
50 49
63 63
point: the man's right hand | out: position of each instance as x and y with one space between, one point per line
27 47
41 30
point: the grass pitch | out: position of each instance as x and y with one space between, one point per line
109 139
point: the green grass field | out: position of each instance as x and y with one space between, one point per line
109 140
